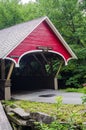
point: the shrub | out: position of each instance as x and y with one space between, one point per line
53 126
83 99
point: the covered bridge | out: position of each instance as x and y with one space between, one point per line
33 40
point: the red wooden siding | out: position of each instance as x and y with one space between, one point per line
41 36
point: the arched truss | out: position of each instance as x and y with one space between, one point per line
35 51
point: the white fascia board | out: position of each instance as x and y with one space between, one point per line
60 38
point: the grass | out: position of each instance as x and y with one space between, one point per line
78 112
79 90
67 113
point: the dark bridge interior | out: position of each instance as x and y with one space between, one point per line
36 71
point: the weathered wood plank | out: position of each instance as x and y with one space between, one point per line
4 123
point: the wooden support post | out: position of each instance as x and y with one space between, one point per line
59 69
10 71
2 69
5 83
55 83
56 77
8 83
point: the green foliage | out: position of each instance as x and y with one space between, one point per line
74 119
69 18
75 72
71 123
64 111
59 100
79 90
53 126
10 103
59 104
58 126
13 12
83 99
10 13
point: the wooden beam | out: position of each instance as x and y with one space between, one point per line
41 64
10 70
2 69
44 58
55 78
59 69
37 59
48 62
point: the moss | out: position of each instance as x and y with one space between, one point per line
64 113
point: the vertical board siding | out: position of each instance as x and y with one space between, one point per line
41 36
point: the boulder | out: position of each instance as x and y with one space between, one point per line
42 117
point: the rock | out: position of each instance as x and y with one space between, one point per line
16 120
42 117
7 109
14 106
31 123
20 112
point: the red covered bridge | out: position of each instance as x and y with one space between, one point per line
33 38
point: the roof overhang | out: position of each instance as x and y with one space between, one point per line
18 41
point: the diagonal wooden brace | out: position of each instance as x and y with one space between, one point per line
10 70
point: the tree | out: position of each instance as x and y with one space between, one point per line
69 18
10 13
